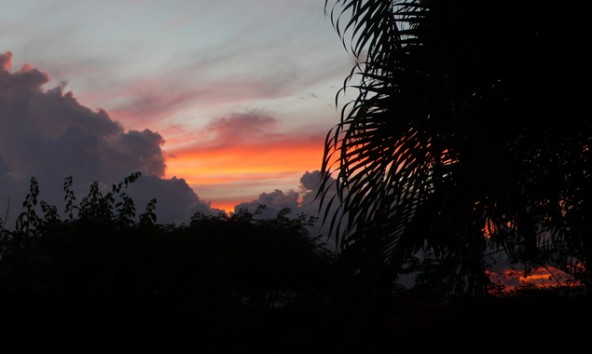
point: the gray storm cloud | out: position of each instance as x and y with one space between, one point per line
303 201
48 134
274 202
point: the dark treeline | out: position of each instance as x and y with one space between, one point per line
97 279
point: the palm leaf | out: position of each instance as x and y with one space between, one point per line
446 135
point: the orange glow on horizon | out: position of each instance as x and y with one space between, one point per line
225 204
541 277
240 171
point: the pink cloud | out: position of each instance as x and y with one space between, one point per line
238 128
6 61
152 101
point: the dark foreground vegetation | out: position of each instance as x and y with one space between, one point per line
101 280
470 134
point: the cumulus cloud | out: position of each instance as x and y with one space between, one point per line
299 202
310 180
177 202
48 134
302 201
273 202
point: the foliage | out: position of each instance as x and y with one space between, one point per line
98 273
232 283
470 131
28 219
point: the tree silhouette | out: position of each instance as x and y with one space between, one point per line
470 131
102 278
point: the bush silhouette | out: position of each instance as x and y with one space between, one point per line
101 280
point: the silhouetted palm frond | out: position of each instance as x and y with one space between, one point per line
468 117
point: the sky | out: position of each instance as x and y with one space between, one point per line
217 103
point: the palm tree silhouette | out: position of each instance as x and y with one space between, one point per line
470 130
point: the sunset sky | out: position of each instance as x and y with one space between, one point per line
238 94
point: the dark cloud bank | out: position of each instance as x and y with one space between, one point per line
48 134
